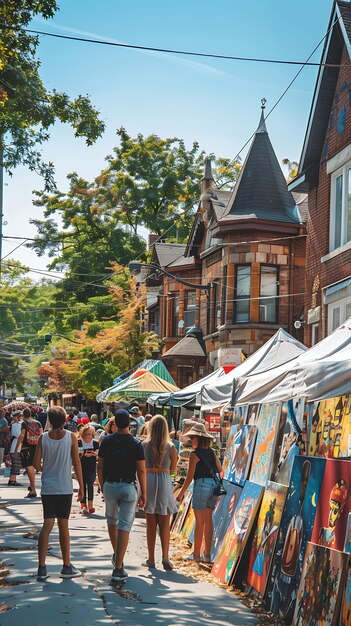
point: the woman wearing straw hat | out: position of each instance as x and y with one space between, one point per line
201 464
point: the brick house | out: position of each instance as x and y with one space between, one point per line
247 249
325 174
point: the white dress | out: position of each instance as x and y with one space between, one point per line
160 498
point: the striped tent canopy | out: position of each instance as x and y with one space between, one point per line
153 365
138 386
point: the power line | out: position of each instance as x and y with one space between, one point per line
208 55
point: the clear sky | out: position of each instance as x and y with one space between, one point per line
216 102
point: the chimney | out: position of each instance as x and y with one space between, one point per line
153 237
207 180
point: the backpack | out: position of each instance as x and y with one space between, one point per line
71 425
34 431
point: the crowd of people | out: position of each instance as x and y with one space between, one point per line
132 459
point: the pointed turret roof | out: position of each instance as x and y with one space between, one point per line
208 170
261 191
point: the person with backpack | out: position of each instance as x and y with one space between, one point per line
30 432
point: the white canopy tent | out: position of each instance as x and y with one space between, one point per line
281 350
186 396
323 371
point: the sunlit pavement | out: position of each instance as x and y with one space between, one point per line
149 598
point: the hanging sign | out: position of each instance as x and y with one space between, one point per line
229 356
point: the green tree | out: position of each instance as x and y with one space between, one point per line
27 108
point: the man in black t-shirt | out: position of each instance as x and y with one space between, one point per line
121 457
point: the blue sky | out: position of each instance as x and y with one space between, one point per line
216 102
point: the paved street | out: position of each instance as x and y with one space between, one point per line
157 598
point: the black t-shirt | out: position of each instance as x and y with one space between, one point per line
201 469
120 454
35 429
88 462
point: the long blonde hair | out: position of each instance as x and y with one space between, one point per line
158 437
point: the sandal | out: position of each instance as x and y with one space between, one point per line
167 565
149 564
31 494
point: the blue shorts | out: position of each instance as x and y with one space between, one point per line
203 497
120 501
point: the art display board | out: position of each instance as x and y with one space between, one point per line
240 414
347 544
295 531
189 523
230 449
288 440
183 510
223 513
244 443
231 549
330 428
253 413
345 618
266 536
331 518
321 587
265 442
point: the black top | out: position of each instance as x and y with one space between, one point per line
201 469
88 462
120 454
35 429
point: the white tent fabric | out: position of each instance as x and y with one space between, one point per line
188 394
323 371
281 349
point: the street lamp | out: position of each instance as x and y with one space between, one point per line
48 338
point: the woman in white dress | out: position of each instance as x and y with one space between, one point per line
161 459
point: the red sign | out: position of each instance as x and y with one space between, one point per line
213 423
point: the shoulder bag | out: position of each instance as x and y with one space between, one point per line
219 489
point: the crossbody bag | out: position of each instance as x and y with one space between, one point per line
219 489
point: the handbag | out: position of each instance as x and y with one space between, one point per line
219 489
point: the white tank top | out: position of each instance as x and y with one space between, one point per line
56 477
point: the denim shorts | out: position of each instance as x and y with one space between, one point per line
203 497
120 501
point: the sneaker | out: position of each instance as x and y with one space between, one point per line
69 571
14 483
193 557
119 575
31 494
42 573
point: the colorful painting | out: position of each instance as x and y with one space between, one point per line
183 510
253 412
223 514
242 452
320 590
347 545
189 523
230 550
265 442
266 535
288 441
332 512
330 428
345 619
234 433
295 531
240 414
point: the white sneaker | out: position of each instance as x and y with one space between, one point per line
193 557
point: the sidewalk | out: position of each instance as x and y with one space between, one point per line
156 598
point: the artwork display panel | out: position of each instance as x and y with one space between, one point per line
332 513
253 412
183 510
244 443
189 523
345 618
295 531
223 514
330 428
347 545
230 450
230 550
289 437
320 590
265 442
266 535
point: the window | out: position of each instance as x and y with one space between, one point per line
189 309
315 334
175 330
338 313
154 320
242 293
268 294
340 210
224 295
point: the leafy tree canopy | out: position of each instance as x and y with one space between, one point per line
27 108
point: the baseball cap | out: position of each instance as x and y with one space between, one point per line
122 418
134 410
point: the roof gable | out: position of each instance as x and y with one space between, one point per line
165 253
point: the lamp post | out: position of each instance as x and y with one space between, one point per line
48 338
136 266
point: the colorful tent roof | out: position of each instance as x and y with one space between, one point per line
139 386
153 365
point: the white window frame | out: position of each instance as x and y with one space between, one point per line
315 331
344 212
339 304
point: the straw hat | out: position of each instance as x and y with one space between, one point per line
198 430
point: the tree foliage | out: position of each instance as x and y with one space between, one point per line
27 108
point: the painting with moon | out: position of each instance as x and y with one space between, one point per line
295 531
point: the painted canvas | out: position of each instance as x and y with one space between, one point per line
330 428
266 535
230 550
345 619
295 531
183 510
240 414
332 512
253 412
232 442
265 441
288 441
242 453
347 545
320 590
223 514
189 523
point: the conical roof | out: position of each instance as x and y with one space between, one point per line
261 191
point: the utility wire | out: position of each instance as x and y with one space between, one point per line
208 55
